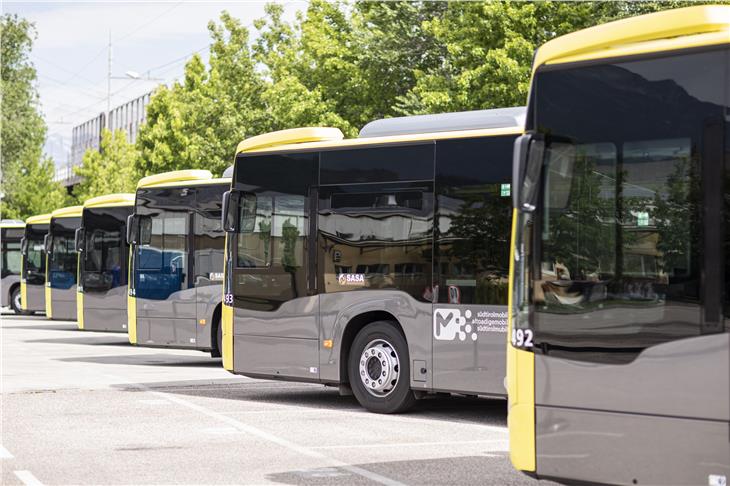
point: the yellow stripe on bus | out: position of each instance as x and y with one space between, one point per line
23 286
80 309
520 386
131 303
227 319
47 293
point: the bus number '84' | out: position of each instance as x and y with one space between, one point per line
522 338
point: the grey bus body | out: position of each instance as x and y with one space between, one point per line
62 271
103 271
623 284
33 276
11 233
407 236
177 266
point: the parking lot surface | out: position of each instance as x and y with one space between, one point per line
83 407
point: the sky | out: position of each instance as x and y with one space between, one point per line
151 38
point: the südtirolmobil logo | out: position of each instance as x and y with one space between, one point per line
448 324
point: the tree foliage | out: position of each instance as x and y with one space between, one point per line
109 170
27 177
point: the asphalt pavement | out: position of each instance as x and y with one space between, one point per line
82 407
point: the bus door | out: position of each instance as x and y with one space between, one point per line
166 305
471 263
276 319
626 277
208 245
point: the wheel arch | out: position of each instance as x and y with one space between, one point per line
11 288
355 325
215 323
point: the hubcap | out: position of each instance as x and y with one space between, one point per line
379 368
16 300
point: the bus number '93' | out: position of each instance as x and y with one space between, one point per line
228 299
522 338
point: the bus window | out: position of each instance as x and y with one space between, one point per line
163 262
254 242
209 239
474 220
11 256
384 235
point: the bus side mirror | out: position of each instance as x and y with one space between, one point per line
132 230
47 242
229 214
139 229
527 163
79 239
24 246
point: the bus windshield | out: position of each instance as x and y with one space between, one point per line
35 261
104 255
62 261
618 231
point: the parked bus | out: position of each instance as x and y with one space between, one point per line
619 369
377 264
11 232
62 263
33 264
176 270
101 294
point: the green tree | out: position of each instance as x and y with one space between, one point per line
197 124
107 170
489 47
24 172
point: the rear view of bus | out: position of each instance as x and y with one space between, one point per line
619 369
176 274
33 266
11 233
62 263
103 258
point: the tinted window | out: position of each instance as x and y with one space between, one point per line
383 164
10 241
377 237
621 229
63 261
35 260
209 236
105 250
162 265
270 248
474 219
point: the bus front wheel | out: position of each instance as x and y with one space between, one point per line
378 369
15 301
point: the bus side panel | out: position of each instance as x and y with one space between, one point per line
283 342
630 449
208 298
339 308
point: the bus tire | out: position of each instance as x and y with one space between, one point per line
219 339
15 301
378 369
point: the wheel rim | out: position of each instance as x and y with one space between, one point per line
379 368
16 301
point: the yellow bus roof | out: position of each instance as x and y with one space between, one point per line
175 176
11 224
68 212
290 136
288 144
39 219
110 200
191 183
680 28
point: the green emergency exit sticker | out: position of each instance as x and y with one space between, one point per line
642 219
504 190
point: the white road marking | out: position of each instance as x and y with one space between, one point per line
501 442
156 401
27 478
262 434
4 453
